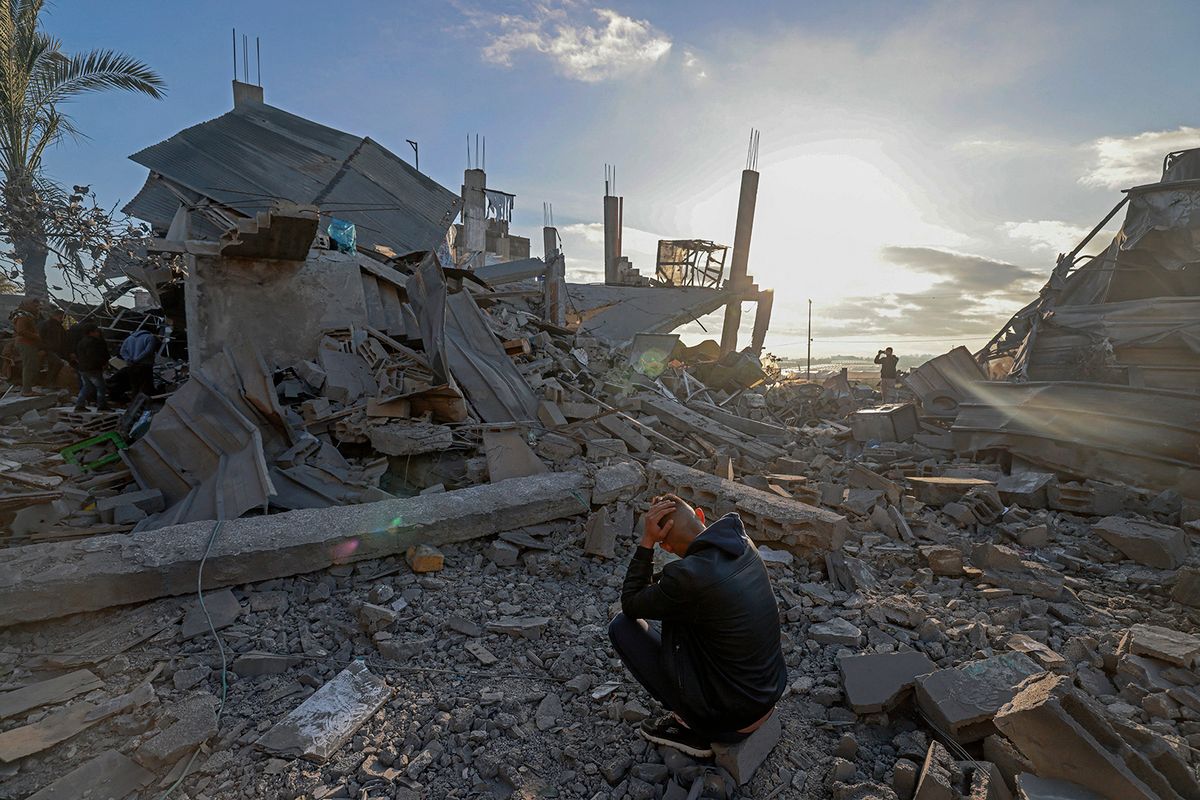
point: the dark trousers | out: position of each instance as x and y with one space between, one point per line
141 379
91 386
640 647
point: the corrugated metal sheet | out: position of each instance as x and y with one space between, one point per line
943 383
256 153
1144 437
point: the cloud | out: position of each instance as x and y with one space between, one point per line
1047 234
972 275
972 296
1124 161
614 47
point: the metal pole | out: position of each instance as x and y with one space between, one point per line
808 369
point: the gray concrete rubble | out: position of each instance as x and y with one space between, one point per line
407 472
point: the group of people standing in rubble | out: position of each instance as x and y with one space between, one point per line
43 345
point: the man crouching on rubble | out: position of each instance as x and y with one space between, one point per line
717 664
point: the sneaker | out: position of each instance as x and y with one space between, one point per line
667 731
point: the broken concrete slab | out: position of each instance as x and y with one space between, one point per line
835 631
620 481
962 701
1187 587
108 776
940 775
600 536
256 663
741 760
62 725
509 456
42 693
807 531
1149 543
937 491
525 627
49 580
410 438
1068 736
685 420
318 727
1165 644
195 723
877 682
17 406
942 559
222 607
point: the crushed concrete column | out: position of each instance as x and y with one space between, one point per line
44 581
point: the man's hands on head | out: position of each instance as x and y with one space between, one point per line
657 523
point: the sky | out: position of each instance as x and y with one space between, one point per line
922 163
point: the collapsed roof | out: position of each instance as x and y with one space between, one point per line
1129 315
256 153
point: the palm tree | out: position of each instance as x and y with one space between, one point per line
35 77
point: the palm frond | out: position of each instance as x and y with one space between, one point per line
62 77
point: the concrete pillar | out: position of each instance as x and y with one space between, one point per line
474 215
738 269
556 278
762 319
612 237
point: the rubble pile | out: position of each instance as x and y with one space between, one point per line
369 545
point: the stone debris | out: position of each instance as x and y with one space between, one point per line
320 725
879 681
428 482
1146 542
1068 736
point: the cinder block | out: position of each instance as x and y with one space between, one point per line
742 759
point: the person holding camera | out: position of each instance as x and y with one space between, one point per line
887 374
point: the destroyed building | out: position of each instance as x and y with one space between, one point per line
368 543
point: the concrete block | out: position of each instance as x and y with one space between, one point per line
807 531
223 609
962 701
943 559
509 455
600 537
318 727
937 491
196 723
896 422
256 663
502 554
1067 736
742 759
1149 543
410 438
620 481
524 627
879 681
1174 647
53 579
1187 587
425 558
600 449
835 631
127 515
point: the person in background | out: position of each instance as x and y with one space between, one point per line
29 346
138 351
53 338
887 374
91 356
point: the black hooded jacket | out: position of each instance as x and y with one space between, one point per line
720 625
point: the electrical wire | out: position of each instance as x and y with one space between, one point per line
220 647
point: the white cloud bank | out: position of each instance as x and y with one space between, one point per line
615 47
1124 161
